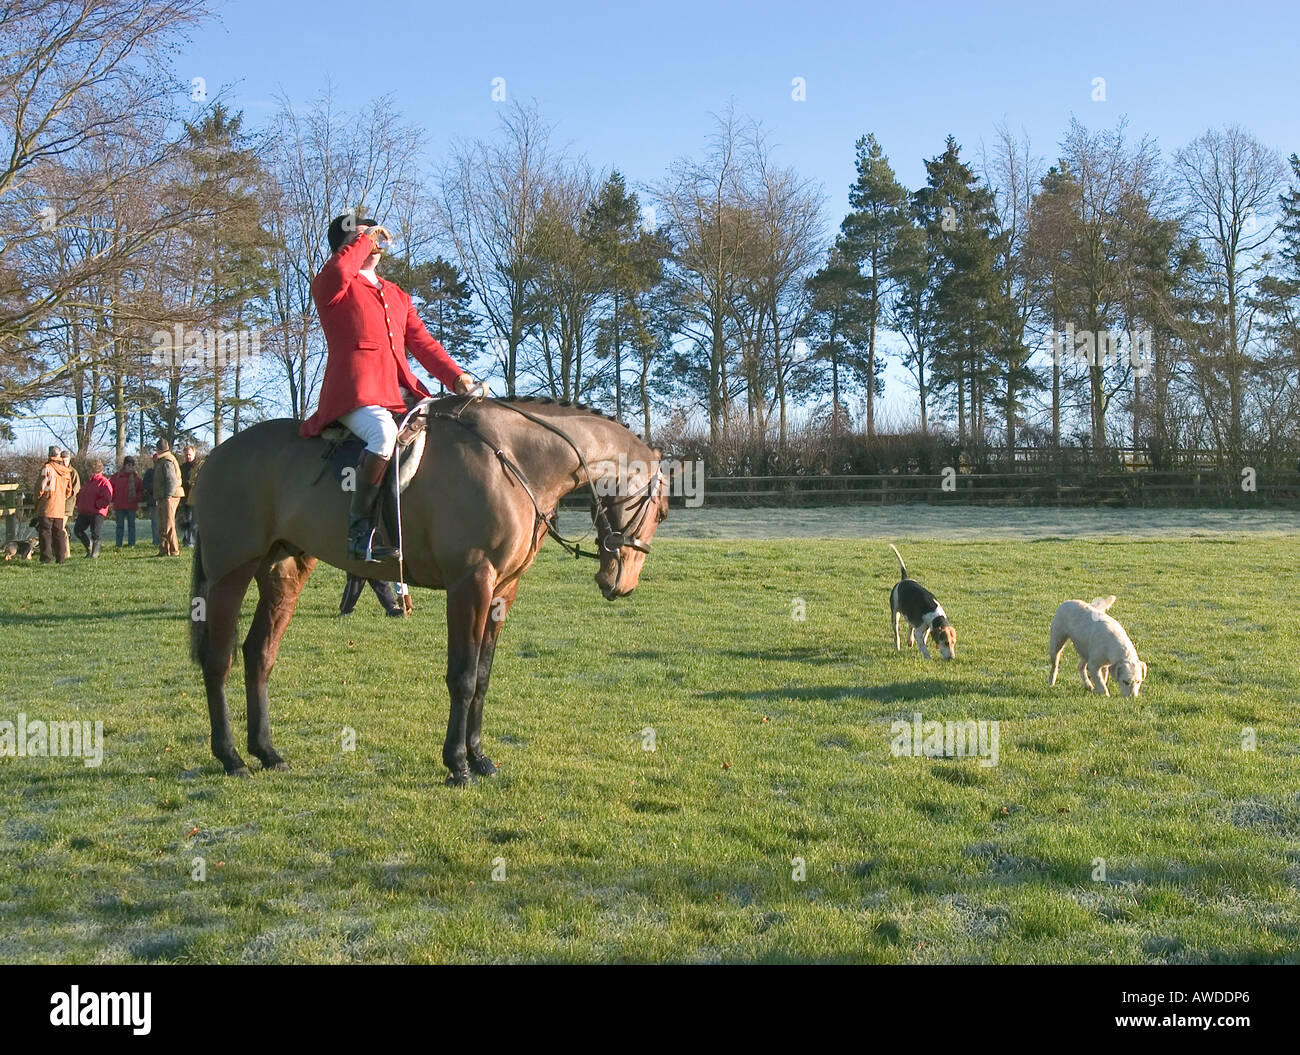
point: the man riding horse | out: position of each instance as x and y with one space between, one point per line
370 325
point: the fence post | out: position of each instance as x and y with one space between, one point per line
9 504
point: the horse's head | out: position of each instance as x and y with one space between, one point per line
626 521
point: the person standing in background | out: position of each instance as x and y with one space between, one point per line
128 492
150 505
186 513
93 503
74 489
51 505
356 585
167 492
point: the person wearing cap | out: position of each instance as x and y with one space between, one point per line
74 489
185 512
370 326
51 507
167 492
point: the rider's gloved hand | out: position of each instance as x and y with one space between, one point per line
467 386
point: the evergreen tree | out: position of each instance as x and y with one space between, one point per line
917 271
225 259
1280 290
870 231
961 221
443 300
632 261
838 325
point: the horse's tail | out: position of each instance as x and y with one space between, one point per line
198 603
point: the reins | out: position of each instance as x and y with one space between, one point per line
611 541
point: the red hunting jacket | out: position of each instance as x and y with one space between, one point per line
368 330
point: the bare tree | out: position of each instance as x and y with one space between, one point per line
1012 172
326 162
790 239
701 200
74 80
490 196
1232 183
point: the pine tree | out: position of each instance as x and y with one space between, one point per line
632 260
839 322
1280 291
870 231
443 299
961 221
227 251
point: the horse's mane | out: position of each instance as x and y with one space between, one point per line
567 404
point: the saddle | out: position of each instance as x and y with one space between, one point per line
343 449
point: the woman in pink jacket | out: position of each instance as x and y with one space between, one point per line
92 507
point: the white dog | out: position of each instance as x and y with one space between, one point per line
1102 644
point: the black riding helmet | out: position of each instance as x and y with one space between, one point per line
341 228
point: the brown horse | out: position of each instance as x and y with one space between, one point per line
472 518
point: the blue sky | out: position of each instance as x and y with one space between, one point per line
633 87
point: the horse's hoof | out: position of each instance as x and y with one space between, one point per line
280 765
459 780
238 771
483 766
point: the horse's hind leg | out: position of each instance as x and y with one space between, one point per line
280 580
479 762
216 649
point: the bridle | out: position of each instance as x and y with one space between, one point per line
611 541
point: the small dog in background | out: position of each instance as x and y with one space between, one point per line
913 602
1103 646
22 549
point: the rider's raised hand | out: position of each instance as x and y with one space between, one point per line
379 233
467 386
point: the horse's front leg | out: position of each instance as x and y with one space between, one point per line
469 603
479 762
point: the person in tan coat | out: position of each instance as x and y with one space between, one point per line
167 491
52 496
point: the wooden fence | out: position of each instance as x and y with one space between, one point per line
15 509
1190 488
1204 487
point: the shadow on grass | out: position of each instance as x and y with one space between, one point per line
927 688
811 654
40 619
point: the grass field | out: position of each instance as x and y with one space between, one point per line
772 742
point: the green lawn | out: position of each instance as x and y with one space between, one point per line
772 742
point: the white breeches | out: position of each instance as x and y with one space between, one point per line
376 427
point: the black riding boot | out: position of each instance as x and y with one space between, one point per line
361 523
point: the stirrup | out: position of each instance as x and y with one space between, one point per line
361 546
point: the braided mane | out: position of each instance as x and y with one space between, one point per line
567 403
